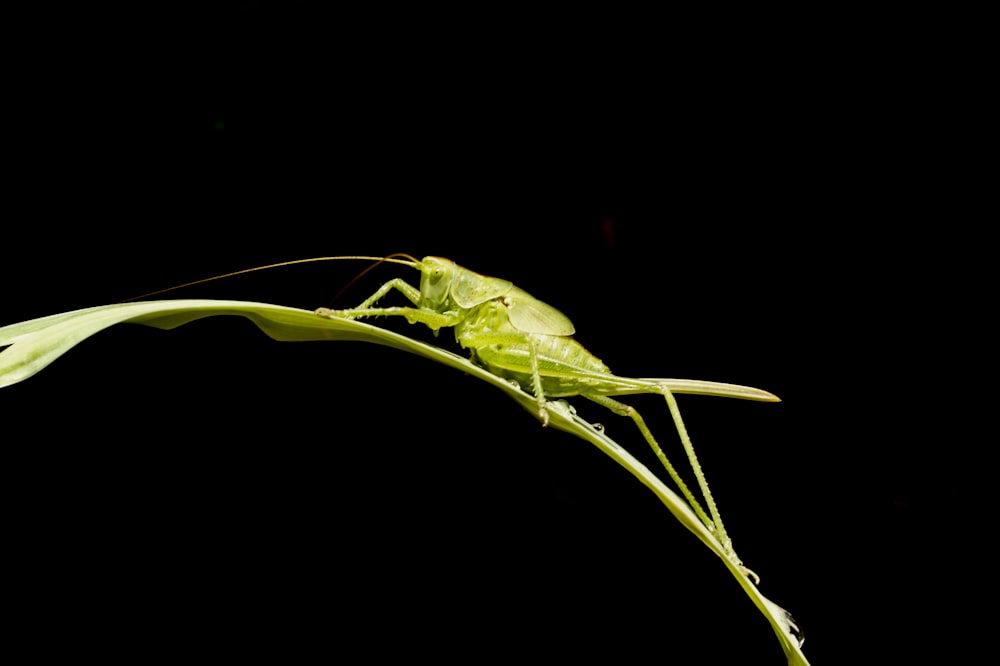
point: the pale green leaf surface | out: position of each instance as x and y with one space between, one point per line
32 345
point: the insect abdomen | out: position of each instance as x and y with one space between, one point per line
564 365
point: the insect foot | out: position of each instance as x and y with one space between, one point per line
543 416
734 558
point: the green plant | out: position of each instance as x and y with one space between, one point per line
32 345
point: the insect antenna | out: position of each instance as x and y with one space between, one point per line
392 258
354 280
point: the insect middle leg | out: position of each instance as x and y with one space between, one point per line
507 351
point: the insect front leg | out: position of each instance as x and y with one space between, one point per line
399 284
431 319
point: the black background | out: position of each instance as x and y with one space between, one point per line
703 199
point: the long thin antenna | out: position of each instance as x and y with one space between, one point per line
412 263
363 273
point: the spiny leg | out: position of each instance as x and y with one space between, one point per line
622 409
429 318
675 412
536 381
399 284
481 343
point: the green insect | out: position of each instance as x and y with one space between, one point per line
519 338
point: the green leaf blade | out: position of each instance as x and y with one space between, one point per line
28 347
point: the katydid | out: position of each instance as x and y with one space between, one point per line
518 337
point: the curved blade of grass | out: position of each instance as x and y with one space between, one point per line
32 345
